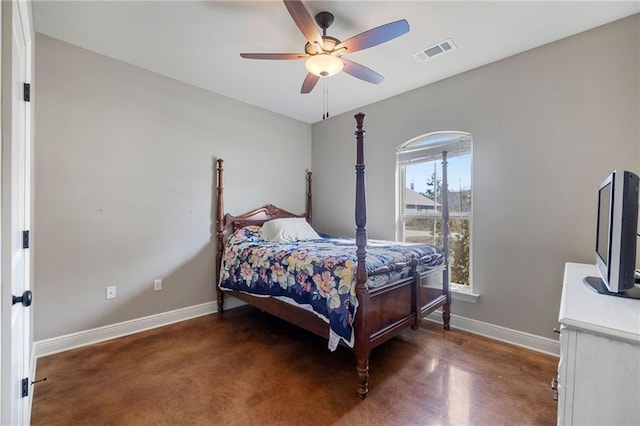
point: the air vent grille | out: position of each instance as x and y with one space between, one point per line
435 50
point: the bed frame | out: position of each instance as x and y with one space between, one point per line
384 311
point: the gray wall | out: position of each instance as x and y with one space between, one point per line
124 162
548 125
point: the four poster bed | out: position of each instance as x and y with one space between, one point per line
356 294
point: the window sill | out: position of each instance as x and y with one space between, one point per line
463 293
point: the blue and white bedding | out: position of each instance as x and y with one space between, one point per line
319 275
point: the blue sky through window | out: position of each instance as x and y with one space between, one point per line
459 173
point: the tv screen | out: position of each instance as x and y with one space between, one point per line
616 236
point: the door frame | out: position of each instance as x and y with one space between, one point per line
6 131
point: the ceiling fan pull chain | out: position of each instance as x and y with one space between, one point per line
327 108
326 97
325 113
323 116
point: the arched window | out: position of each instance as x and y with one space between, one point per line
419 195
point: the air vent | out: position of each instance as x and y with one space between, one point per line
435 50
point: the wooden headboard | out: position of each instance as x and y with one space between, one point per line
257 217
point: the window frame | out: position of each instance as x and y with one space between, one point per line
411 150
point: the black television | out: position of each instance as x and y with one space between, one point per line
616 236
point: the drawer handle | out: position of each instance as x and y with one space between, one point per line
555 330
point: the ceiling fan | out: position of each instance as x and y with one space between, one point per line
324 53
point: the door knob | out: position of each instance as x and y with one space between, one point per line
25 299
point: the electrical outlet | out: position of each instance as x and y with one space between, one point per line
157 285
111 292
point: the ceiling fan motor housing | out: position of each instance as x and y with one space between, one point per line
329 44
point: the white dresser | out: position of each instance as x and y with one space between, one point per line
599 369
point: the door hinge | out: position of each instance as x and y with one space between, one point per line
27 92
25 239
25 387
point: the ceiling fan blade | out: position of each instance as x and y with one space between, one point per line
360 71
274 55
375 36
309 83
305 23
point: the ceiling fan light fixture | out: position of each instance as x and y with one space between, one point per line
324 65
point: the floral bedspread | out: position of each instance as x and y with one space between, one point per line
316 274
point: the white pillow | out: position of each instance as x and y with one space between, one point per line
288 230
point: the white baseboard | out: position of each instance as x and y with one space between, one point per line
113 331
503 334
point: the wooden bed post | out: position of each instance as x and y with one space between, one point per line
362 345
219 235
415 294
446 309
309 209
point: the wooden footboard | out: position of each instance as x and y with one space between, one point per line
402 304
392 307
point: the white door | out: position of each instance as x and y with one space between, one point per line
16 165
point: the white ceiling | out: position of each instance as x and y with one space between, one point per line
199 42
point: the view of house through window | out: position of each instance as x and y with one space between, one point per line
419 163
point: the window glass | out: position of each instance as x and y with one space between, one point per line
420 201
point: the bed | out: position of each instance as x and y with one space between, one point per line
355 292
